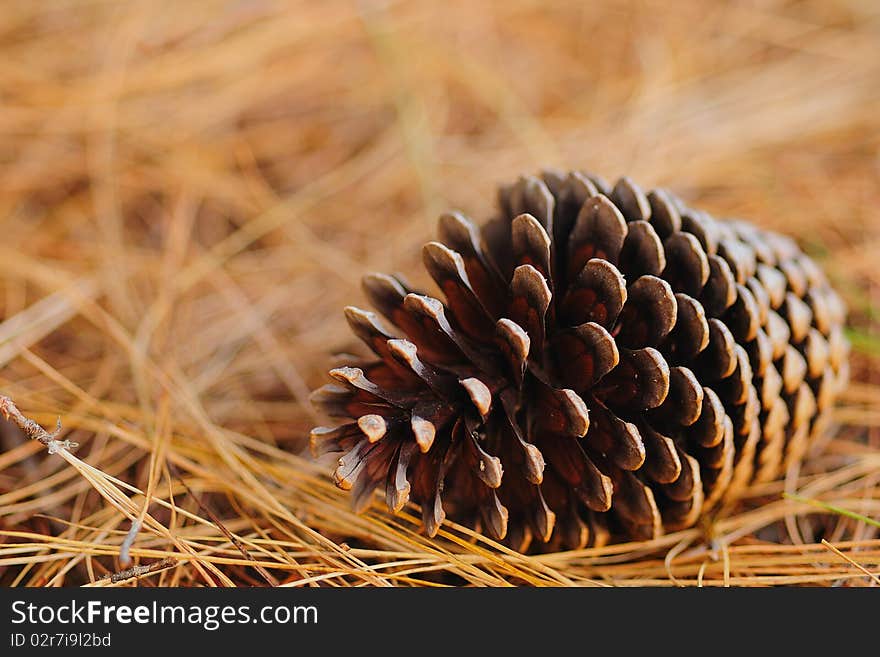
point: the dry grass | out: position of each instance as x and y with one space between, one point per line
190 192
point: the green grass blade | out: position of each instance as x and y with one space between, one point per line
833 509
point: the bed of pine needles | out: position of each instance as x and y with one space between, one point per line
190 193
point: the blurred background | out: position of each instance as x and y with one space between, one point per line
190 193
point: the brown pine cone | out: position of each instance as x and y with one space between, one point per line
608 364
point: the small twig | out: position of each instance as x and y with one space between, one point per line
137 571
33 430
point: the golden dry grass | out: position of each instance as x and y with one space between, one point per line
190 192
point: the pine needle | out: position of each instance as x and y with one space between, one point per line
190 193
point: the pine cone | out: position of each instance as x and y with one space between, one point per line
608 365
